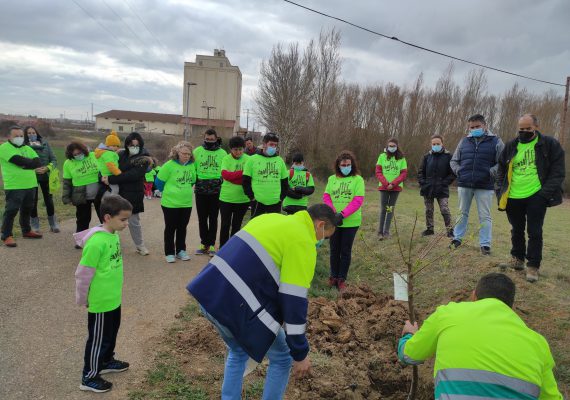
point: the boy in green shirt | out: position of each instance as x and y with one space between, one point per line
301 185
99 286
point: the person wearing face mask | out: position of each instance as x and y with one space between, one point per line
344 193
19 164
435 176
475 162
80 183
301 186
233 201
529 179
208 158
175 180
134 161
265 177
254 291
49 162
391 172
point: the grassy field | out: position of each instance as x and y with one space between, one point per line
545 306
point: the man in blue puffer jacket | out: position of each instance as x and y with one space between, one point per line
475 163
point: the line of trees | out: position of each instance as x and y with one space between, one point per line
301 97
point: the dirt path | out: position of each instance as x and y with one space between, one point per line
43 332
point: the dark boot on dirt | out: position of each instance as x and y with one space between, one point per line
450 233
515 263
455 244
341 285
332 282
428 232
486 250
53 225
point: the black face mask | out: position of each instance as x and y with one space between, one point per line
526 136
210 145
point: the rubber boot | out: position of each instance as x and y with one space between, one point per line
35 224
53 225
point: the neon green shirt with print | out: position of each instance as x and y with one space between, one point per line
16 177
208 163
232 193
525 181
299 178
391 168
108 156
266 174
342 191
81 173
149 176
178 181
103 252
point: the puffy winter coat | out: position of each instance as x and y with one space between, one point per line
435 175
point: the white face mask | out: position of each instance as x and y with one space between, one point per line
134 150
17 141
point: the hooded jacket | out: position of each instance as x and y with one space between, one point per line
45 154
435 175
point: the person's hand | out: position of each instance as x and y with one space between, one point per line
41 170
338 218
390 186
302 369
409 328
105 180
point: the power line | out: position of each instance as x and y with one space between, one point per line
147 28
418 46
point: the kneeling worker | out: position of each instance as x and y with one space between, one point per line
257 283
483 349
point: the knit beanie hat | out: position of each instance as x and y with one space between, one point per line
113 140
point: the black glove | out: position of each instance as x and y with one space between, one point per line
338 218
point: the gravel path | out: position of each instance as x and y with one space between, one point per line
43 332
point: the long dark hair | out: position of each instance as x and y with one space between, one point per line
26 138
346 155
71 147
398 154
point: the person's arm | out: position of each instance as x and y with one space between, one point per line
294 194
422 171
380 176
25 162
415 348
400 178
448 180
305 190
52 159
246 179
83 277
133 174
557 171
353 206
66 191
501 171
113 168
498 150
233 177
456 159
328 201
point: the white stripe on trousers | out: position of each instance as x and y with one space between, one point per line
96 345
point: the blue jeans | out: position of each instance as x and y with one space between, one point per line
278 371
484 199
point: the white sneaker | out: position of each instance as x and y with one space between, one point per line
143 251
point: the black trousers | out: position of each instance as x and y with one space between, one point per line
293 209
21 200
83 216
208 207
232 216
48 200
175 223
260 209
100 347
529 212
341 251
387 205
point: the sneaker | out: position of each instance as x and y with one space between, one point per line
212 251
32 235
97 384
182 255
428 232
486 250
10 242
201 251
450 233
341 285
114 366
531 274
332 282
380 236
143 251
455 243
515 263
78 247
170 258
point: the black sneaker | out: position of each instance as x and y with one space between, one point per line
450 233
114 366
455 243
428 232
97 385
486 250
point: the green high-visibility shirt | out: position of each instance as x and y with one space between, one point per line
149 176
525 181
103 252
342 190
108 156
178 181
208 163
16 177
231 192
299 178
266 174
391 168
81 173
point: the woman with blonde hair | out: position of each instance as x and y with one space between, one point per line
175 180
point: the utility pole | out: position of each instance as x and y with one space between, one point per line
91 112
247 119
207 107
563 133
187 127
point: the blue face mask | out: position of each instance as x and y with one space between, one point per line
392 149
79 157
298 167
346 170
477 132
436 148
271 150
33 137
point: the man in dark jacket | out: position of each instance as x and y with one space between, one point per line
475 164
134 161
529 179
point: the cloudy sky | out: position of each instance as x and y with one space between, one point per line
62 55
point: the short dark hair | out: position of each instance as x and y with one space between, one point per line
14 127
270 137
71 147
113 204
437 137
236 141
346 155
211 131
248 138
322 212
477 118
298 157
497 286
